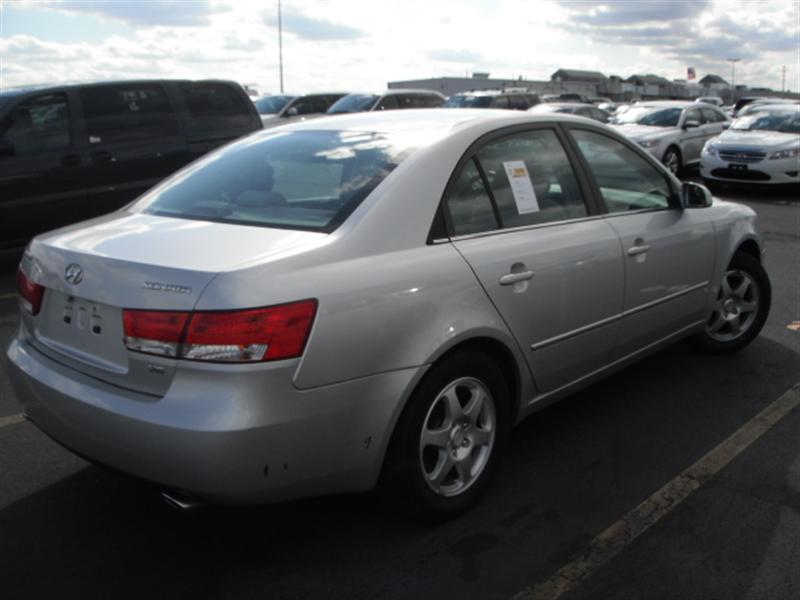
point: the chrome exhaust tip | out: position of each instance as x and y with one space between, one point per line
181 501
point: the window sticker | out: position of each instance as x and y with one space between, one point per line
521 186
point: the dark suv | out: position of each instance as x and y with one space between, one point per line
72 152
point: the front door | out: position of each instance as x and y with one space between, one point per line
668 251
42 173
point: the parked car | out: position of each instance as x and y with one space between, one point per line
672 131
758 104
568 97
71 152
744 101
371 300
270 105
301 108
492 99
713 100
760 147
590 111
388 100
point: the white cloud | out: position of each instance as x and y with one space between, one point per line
361 45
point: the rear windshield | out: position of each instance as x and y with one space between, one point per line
308 180
353 103
269 105
464 101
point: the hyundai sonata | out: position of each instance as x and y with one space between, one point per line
371 300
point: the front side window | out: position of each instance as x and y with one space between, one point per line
37 126
626 180
215 106
308 180
389 103
694 115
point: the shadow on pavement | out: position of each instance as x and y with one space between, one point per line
571 471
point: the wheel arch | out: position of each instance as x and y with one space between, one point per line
500 350
749 246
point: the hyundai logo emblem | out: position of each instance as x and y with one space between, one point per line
73 274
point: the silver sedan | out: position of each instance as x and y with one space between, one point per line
371 301
672 131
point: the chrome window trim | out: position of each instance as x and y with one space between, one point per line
469 236
608 320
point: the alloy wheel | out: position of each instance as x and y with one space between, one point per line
458 435
735 308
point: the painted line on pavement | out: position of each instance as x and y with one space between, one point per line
12 420
7 296
617 537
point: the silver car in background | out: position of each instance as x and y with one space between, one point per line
371 301
674 132
761 146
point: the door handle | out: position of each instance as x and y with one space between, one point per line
71 160
639 248
512 278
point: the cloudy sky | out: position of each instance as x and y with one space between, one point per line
360 45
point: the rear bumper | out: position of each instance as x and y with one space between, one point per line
233 436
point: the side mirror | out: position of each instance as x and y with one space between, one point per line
292 112
694 195
726 124
691 124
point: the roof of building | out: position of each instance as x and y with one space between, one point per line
713 79
648 79
578 75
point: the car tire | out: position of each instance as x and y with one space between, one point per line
740 309
449 439
672 160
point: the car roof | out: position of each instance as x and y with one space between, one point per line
668 104
568 104
428 123
26 89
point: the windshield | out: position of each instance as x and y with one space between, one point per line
353 103
648 115
309 180
269 105
464 101
784 120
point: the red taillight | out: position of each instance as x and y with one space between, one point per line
31 293
252 335
154 332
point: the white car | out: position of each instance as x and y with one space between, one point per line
672 131
760 147
299 108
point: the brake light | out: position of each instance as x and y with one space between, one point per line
30 293
154 332
252 335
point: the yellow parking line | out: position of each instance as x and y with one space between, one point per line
7 296
617 537
12 420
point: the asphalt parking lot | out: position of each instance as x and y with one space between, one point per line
579 510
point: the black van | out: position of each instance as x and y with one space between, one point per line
72 152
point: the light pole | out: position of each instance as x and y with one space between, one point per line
733 62
280 44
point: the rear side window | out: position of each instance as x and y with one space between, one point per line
626 180
37 126
309 180
530 181
118 113
215 106
429 101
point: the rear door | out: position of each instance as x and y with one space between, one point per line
134 141
42 172
692 138
517 213
668 250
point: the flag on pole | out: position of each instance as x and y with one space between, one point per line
690 74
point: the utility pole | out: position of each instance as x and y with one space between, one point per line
733 62
280 44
